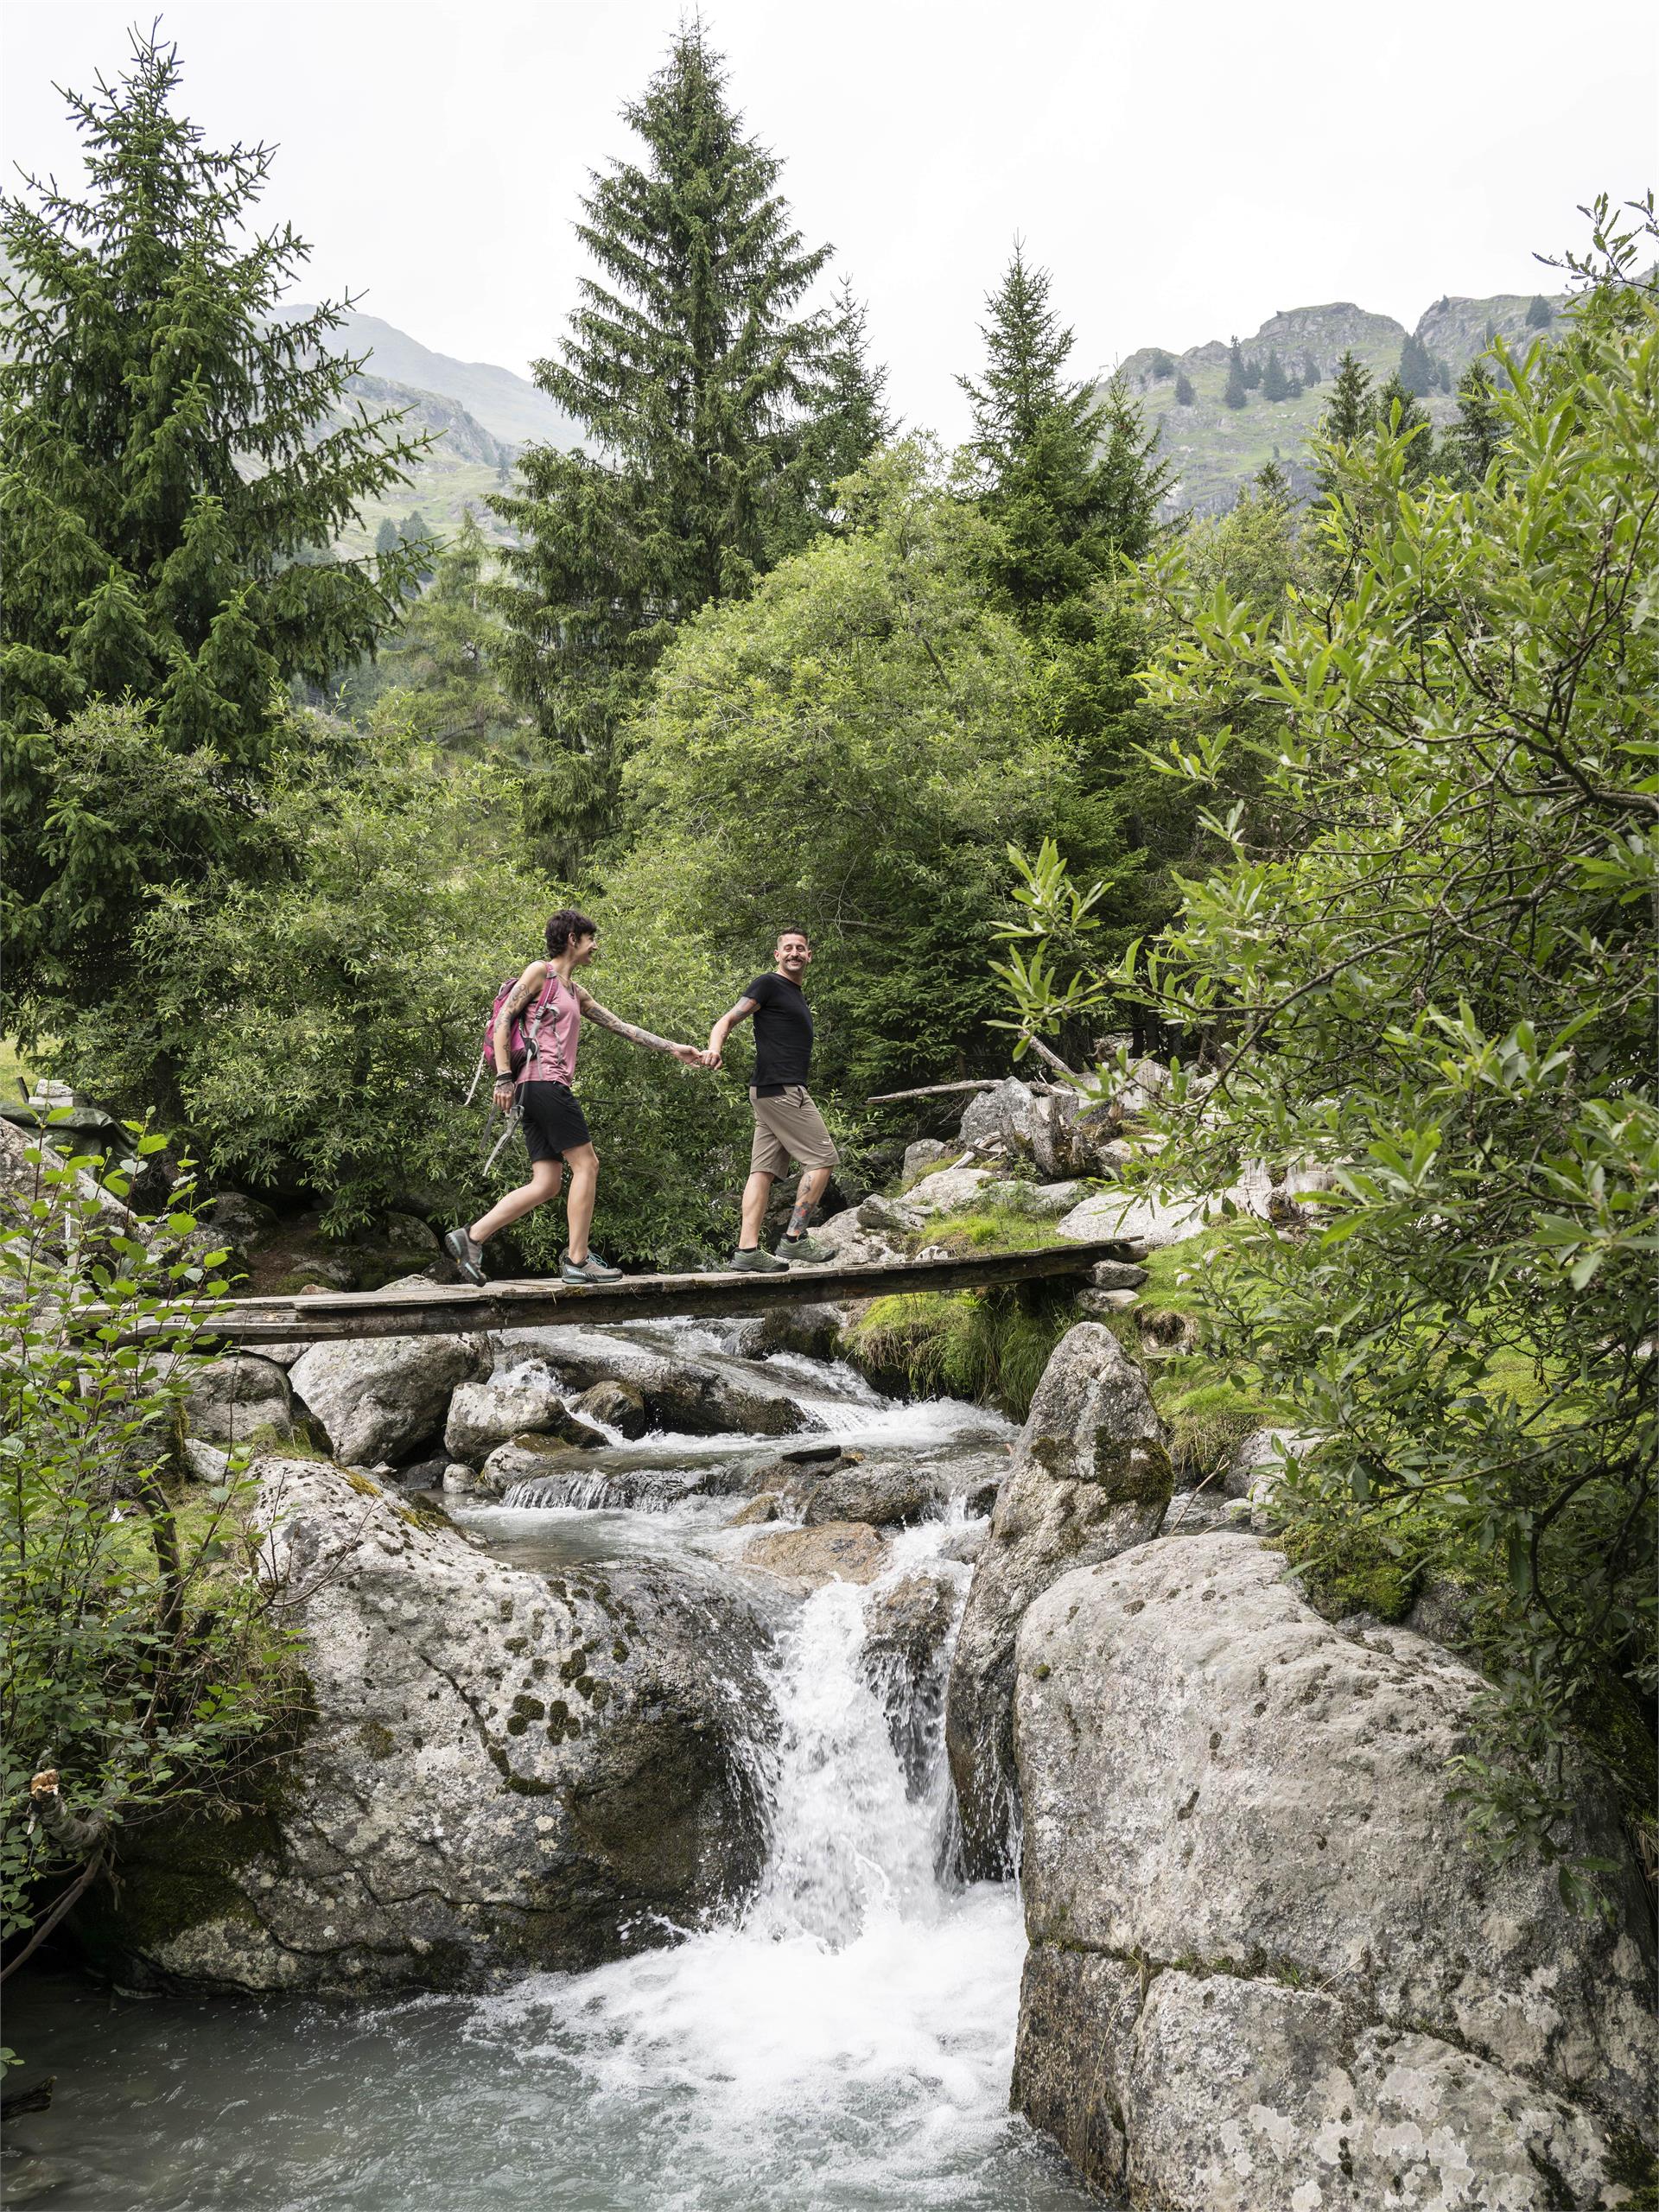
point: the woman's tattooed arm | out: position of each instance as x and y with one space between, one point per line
591 1011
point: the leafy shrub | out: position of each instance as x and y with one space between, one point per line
144 1659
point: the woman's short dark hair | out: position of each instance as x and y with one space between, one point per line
564 928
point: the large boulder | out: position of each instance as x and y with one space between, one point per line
383 1397
947 1191
505 1770
514 1399
801 1560
232 1397
683 1397
1267 1972
1003 1115
907 1628
1090 1477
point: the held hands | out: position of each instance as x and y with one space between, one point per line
689 1057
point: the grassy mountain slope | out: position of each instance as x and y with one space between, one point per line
1217 450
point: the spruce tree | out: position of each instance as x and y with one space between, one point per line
1352 409
442 664
1069 475
1237 393
176 452
1310 370
1540 314
1253 374
1415 372
1472 444
853 420
704 387
1184 392
1275 385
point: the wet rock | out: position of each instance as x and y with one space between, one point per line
508 1771
683 1397
620 1406
1090 1477
769 1506
460 1480
513 1399
1266 1970
907 1635
534 1454
383 1397
804 1559
887 1494
232 1396
813 1331
964 1544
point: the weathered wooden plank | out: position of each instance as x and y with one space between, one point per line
455 1309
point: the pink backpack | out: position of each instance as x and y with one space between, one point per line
521 1037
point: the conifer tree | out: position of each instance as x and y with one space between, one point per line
1472 444
1069 474
1310 370
704 386
1415 372
1252 374
442 664
1184 392
1540 314
1237 393
853 420
1352 409
176 454
1275 386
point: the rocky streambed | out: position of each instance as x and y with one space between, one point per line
729 1785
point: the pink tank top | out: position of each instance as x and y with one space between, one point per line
558 1034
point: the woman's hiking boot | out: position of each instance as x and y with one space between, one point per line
790 1250
758 1262
592 1269
467 1256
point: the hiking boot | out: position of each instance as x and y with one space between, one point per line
758 1262
802 1248
592 1269
467 1256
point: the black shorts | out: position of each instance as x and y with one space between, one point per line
554 1123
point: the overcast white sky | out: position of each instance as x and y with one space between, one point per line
1184 168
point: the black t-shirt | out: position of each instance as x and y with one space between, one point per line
783 1034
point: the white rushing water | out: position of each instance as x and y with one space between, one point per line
845 2042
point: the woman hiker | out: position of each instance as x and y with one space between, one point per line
554 1006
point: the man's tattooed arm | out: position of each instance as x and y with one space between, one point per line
724 1027
601 1015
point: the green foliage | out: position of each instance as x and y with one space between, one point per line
169 461
849 749
1184 392
1540 314
144 1658
1416 372
1473 441
711 403
1428 965
1275 385
441 667
1352 409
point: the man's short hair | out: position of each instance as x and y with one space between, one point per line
564 928
790 931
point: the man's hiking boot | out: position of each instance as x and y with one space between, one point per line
592 1269
467 1256
758 1262
802 1248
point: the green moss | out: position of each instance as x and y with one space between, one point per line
1347 1563
933 1168
991 1346
1630 2165
377 1739
364 1486
427 1513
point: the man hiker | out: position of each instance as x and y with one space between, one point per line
548 1000
787 1125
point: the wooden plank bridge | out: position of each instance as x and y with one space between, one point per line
456 1309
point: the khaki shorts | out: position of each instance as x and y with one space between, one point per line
789 1127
